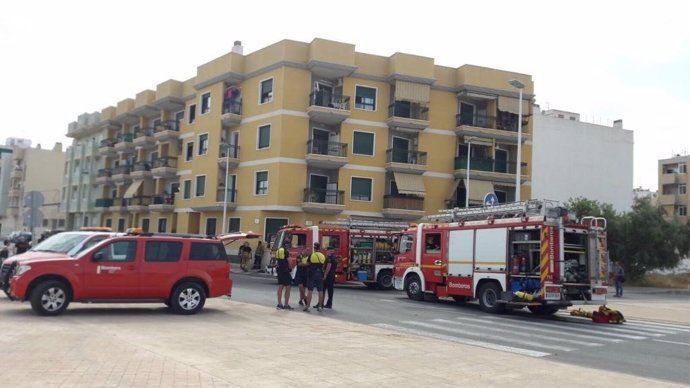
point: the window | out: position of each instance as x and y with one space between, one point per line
120 224
360 189
179 116
109 222
200 186
682 210
210 226
432 243
363 143
266 91
167 251
192 113
234 224
205 103
203 144
117 251
264 140
145 223
189 155
261 187
682 168
682 188
365 98
162 225
406 242
207 251
187 189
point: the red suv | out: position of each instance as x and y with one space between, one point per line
181 271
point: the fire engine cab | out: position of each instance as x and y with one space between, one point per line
365 249
524 254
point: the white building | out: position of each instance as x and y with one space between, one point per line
574 159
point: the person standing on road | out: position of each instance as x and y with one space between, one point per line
302 275
5 251
316 262
258 255
284 278
618 278
329 279
245 256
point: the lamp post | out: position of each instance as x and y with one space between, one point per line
518 165
225 194
469 141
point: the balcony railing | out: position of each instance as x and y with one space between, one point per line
327 100
481 121
324 147
396 155
403 202
104 172
165 161
232 195
124 169
143 165
233 107
490 165
163 199
148 131
125 137
232 150
334 197
107 143
167 125
104 202
140 200
408 110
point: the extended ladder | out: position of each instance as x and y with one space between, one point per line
532 207
367 224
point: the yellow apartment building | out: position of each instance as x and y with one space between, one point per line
297 133
673 187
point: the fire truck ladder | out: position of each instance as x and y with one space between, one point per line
367 224
533 207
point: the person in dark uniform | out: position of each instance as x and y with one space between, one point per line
284 277
302 275
329 279
316 262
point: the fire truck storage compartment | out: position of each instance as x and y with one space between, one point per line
365 253
575 258
525 275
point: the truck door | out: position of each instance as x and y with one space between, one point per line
112 272
434 265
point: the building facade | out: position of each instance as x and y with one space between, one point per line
302 132
29 186
574 159
673 187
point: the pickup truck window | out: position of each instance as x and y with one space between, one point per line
207 251
118 251
163 251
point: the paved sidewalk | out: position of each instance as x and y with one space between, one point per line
242 345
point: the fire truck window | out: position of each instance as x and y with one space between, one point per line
298 240
406 243
331 242
433 243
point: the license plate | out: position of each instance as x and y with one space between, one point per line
552 293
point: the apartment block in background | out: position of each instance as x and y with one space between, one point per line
673 187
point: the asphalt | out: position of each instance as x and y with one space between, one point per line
236 344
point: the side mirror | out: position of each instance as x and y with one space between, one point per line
98 256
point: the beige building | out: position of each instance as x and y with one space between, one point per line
673 187
30 179
302 132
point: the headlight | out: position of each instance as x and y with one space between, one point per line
22 269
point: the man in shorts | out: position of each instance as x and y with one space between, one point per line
302 275
316 263
284 277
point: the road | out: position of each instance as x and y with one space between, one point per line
644 348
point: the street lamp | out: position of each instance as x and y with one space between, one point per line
468 141
225 194
519 85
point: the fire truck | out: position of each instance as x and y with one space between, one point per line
525 254
365 249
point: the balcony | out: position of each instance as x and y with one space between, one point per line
107 147
228 155
103 204
167 130
326 154
118 205
220 199
124 143
407 161
669 179
323 201
673 199
14 193
232 113
407 116
143 138
120 174
165 167
141 170
138 204
17 173
489 169
490 127
104 176
403 207
328 108
162 203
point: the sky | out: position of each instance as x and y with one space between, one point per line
606 60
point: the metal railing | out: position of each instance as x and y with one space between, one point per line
125 137
409 110
335 101
125 169
143 165
103 202
147 131
165 161
475 120
104 172
402 202
491 165
167 125
230 106
229 149
163 199
325 147
334 197
107 143
220 195
139 200
396 155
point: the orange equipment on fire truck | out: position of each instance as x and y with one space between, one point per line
514 255
364 248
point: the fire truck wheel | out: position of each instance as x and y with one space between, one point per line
543 310
385 280
50 298
413 286
188 298
489 294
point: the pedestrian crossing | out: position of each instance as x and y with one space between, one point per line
535 337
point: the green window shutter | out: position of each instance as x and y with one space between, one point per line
264 136
363 143
361 189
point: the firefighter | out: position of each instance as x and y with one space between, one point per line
284 277
302 275
316 263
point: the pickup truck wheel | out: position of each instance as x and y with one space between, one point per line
543 310
188 298
50 298
385 279
489 294
413 287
